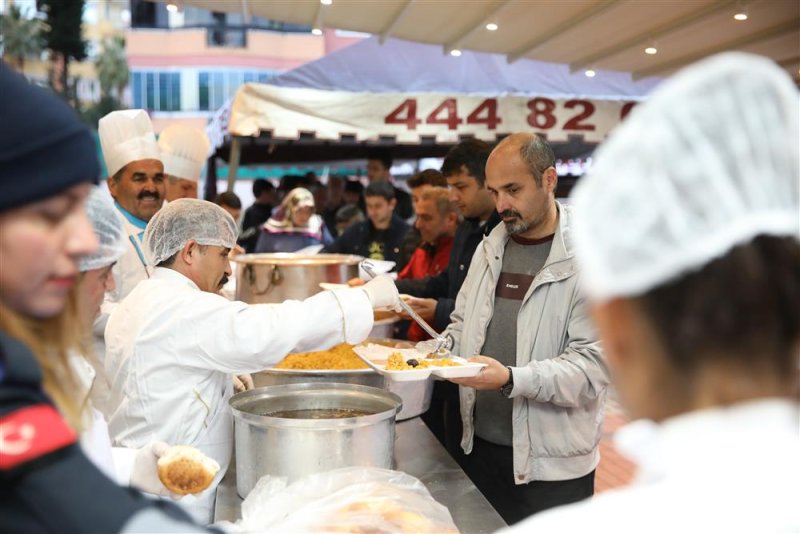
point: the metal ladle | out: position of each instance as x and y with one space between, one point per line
440 344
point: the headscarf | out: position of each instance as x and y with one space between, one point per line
282 220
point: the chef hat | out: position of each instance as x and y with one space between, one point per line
184 219
708 163
127 136
184 151
108 228
44 147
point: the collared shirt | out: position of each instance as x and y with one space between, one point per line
131 218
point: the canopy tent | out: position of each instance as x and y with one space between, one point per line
585 34
411 97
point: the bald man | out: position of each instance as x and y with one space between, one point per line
532 416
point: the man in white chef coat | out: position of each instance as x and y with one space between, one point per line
173 343
136 181
184 151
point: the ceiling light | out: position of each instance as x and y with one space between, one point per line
491 27
172 8
455 52
741 11
326 2
590 73
651 50
316 31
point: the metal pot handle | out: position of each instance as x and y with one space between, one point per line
273 279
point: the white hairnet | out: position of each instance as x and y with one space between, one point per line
108 228
709 162
182 220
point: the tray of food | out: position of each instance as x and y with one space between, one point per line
340 358
406 364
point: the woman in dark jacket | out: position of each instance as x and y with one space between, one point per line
47 484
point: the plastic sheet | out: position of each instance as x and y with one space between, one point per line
352 499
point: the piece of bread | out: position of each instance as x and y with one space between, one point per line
185 470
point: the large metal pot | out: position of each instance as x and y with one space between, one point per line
270 445
277 277
416 394
282 377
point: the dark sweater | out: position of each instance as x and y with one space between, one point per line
358 238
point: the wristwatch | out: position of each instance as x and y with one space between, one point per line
505 389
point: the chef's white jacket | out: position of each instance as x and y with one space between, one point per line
129 270
733 470
115 462
171 350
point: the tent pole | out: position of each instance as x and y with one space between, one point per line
233 164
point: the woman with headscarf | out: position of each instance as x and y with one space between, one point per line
294 225
47 166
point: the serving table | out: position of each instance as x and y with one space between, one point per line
417 453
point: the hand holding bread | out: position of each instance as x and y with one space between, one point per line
171 471
185 470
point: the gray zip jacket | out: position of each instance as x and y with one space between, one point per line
560 378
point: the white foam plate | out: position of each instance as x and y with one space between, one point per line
376 357
379 266
330 287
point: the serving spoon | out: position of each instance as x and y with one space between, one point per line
439 346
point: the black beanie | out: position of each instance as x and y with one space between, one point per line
44 147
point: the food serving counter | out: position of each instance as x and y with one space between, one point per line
418 453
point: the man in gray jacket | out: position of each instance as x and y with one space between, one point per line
532 417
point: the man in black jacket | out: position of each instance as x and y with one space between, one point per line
381 235
379 165
464 167
257 214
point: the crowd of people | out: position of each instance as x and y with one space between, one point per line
671 273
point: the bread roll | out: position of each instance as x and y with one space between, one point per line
185 470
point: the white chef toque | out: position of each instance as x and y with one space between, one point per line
709 162
127 136
184 150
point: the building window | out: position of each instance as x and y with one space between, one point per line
203 89
136 89
217 86
160 90
157 91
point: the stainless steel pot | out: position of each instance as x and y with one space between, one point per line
416 395
269 445
282 377
276 277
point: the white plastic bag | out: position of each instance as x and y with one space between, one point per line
352 499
